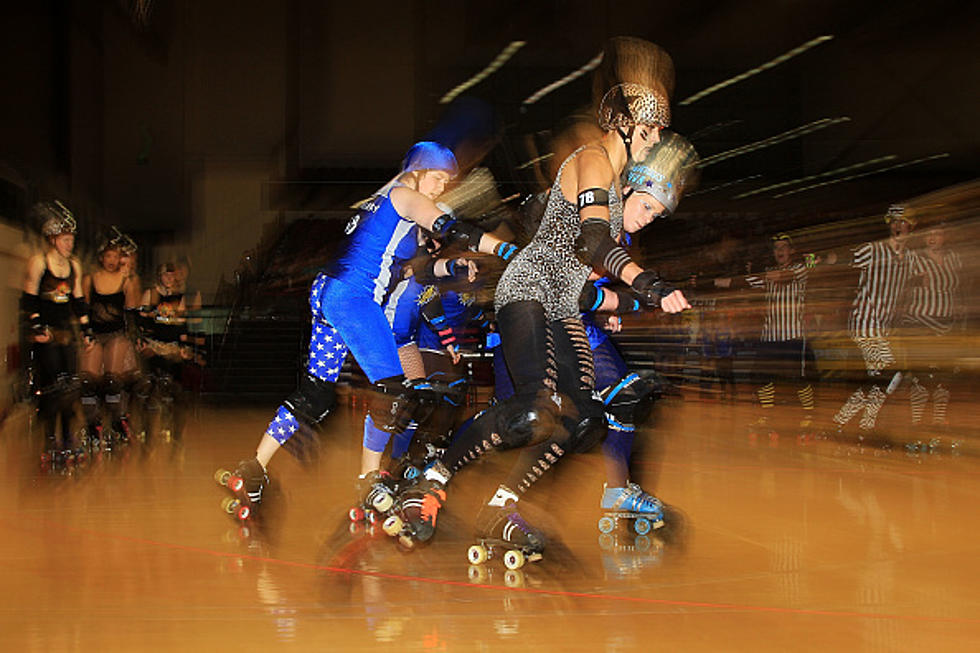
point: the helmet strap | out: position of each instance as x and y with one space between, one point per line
627 141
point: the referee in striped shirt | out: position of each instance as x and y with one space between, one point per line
783 354
936 309
885 268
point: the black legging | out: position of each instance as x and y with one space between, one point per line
554 378
55 365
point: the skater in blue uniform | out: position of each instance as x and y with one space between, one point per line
346 301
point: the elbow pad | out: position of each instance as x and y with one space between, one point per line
452 231
591 298
30 304
596 248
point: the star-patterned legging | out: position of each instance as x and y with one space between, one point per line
345 319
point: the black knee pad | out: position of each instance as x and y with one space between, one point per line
165 386
587 433
312 400
630 400
112 388
142 386
395 403
523 420
88 386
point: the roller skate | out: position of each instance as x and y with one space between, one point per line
92 437
630 502
376 493
504 533
414 519
122 429
247 484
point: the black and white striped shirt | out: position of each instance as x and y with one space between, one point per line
785 302
884 275
935 301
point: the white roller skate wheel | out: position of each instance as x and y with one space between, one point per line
477 554
514 578
382 502
478 574
606 524
641 526
393 525
514 559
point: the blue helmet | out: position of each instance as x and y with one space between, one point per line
429 155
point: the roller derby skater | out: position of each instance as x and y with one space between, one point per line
52 295
109 292
346 299
555 410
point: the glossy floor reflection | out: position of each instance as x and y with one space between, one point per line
771 545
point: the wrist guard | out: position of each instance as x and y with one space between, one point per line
79 306
505 250
651 288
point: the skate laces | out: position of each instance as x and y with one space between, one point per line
635 498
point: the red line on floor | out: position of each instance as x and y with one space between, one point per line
18 521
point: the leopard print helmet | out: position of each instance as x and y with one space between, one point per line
627 105
55 218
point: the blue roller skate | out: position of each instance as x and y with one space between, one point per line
630 502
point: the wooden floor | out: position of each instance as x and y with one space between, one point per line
770 546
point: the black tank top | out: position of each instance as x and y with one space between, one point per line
108 310
55 294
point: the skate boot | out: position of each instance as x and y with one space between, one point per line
92 437
630 502
504 532
419 509
375 497
247 484
122 429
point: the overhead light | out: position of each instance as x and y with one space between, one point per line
537 159
720 186
499 61
796 132
829 173
786 56
570 77
864 174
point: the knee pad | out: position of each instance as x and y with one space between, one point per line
395 403
587 433
142 386
89 389
312 400
523 421
629 401
112 387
